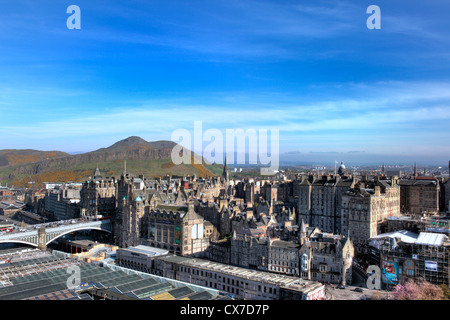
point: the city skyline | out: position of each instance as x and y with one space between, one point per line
312 70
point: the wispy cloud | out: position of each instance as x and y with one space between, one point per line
398 113
309 68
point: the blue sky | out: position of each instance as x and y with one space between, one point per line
311 69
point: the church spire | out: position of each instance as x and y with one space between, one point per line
225 173
97 174
302 232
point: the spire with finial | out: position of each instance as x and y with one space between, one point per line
302 232
225 173
97 174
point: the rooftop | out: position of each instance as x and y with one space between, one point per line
254 275
431 239
41 275
423 238
146 250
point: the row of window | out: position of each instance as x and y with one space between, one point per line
227 282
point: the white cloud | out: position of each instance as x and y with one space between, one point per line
401 107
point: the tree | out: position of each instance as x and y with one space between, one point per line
446 291
421 290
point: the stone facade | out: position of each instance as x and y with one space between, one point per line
419 195
98 197
283 257
319 201
240 283
180 233
249 252
365 208
327 258
314 256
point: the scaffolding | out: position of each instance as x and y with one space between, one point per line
430 260
432 263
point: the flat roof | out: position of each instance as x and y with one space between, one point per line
146 250
431 239
42 276
259 276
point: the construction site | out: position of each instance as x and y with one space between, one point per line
405 255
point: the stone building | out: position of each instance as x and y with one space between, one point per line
181 233
249 252
219 251
283 257
319 200
446 192
61 204
131 224
240 283
366 207
10 209
327 258
419 195
313 256
98 196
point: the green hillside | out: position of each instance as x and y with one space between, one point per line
142 158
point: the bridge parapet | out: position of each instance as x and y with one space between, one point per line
42 236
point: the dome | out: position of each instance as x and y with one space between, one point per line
341 170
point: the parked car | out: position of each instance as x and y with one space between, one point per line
358 290
341 286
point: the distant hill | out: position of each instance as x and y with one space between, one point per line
11 157
142 157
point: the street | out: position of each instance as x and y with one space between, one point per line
349 293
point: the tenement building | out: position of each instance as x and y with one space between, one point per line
319 200
366 208
249 252
419 195
313 256
327 258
